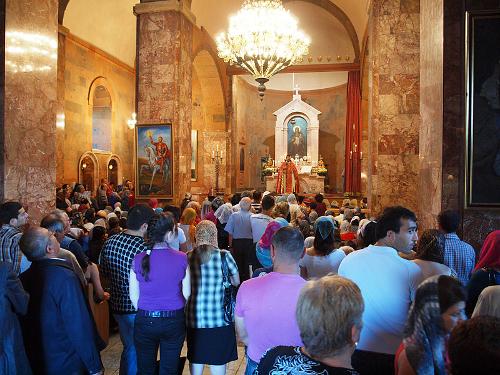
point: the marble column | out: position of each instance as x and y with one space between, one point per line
394 104
30 100
431 111
164 74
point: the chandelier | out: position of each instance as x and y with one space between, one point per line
263 38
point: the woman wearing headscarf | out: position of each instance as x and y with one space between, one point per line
222 215
197 208
487 270
211 339
263 248
438 307
488 302
187 225
323 257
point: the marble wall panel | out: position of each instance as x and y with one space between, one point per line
394 103
164 83
30 94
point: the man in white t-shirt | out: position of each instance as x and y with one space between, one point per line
388 283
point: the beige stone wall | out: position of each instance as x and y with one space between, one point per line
255 124
85 67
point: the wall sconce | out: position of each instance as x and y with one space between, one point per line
60 121
131 122
110 167
84 166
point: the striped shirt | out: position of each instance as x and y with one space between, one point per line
459 256
9 246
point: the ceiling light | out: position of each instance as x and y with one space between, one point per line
263 38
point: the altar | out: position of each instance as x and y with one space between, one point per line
297 135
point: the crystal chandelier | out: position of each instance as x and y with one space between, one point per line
263 38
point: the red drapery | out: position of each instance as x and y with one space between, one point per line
352 171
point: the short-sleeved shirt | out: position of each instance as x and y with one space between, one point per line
388 284
163 289
239 225
116 259
459 256
259 224
291 360
174 241
319 266
204 306
267 305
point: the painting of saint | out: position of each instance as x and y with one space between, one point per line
297 136
154 161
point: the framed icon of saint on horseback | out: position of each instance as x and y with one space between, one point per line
154 161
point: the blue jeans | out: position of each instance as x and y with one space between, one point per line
251 366
168 335
128 360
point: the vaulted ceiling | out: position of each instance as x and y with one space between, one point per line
110 25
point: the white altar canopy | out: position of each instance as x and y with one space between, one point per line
297 107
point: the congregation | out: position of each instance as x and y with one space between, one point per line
308 286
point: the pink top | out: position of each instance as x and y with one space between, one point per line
267 304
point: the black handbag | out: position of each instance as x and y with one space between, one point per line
229 297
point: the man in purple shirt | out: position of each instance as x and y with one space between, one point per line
271 321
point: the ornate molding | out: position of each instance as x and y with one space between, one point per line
181 6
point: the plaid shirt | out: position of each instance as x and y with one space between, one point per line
459 256
204 306
115 262
9 246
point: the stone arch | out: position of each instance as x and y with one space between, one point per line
338 13
90 155
96 84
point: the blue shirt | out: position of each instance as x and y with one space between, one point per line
459 256
239 225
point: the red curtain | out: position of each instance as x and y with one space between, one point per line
352 171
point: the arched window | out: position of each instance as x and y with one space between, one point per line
87 168
101 119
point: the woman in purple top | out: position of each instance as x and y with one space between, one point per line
159 288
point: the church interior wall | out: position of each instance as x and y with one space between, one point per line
365 93
255 127
82 66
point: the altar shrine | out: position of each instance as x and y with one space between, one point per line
297 135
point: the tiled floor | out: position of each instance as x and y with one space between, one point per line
111 359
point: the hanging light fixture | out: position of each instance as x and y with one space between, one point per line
263 38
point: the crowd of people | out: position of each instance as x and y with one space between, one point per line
308 286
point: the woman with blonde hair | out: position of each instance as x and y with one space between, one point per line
211 338
187 225
328 313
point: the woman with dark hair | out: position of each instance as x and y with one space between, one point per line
96 243
487 270
159 287
211 337
430 255
438 307
323 257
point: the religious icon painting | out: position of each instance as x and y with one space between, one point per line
154 161
297 137
483 109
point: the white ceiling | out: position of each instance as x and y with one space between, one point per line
305 81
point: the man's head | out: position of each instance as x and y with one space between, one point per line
63 216
267 203
448 221
245 204
256 196
288 158
287 246
138 217
160 139
474 347
397 228
38 243
55 225
13 213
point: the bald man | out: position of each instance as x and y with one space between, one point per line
59 333
239 228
